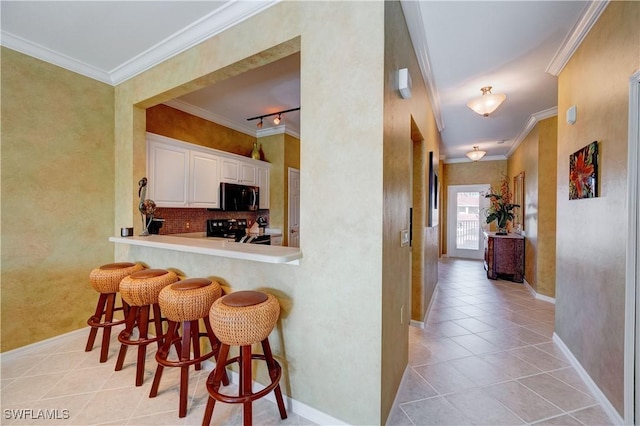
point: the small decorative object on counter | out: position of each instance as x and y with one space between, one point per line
255 153
501 208
146 207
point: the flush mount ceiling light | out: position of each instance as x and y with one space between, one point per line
476 154
487 103
276 120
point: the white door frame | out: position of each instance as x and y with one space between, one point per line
452 219
632 298
292 228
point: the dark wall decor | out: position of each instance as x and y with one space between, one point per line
583 172
432 207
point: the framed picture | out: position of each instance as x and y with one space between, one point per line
518 198
432 201
583 172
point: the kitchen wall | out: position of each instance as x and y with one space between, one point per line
536 156
173 123
591 233
281 150
181 220
57 196
338 285
469 173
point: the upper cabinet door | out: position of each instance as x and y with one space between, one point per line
168 168
205 180
247 174
230 170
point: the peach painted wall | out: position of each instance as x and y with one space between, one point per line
469 173
591 233
57 196
170 122
536 157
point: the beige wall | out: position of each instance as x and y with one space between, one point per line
471 173
57 197
591 237
536 157
332 300
399 157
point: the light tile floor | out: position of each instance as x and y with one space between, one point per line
71 384
486 357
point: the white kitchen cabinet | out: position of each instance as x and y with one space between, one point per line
247 174
230 170
168 174
204 180
262 182
187 175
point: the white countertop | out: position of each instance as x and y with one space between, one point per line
216 247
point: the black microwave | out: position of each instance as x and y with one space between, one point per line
240 198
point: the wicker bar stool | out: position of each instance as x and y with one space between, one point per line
106 281
140 290
183 304
242 319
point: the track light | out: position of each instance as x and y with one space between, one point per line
277 120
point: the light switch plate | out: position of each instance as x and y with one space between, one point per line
404 238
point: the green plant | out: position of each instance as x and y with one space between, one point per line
501 208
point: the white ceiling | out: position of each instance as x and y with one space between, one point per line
461 46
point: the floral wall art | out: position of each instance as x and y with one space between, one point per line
583 172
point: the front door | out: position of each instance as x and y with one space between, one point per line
465 214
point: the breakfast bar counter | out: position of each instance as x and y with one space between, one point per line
215 247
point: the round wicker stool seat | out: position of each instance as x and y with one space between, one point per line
141 290
106 280
183 304
242 319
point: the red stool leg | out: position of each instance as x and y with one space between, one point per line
157 321
102 300
143 328
245 383
126 334
214 383
184 369
215 346
273 373
106 332
163 354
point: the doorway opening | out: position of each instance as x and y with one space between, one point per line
465 212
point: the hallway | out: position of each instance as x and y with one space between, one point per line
486 356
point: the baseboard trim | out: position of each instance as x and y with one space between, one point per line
297 407
538 295
615 418
422 324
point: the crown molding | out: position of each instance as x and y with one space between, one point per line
413 18
575 37
214 23
37 51
533 120
218 119
466 160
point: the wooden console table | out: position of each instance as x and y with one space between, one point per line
504 255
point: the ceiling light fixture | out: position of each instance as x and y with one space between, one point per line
276 120
476 154
487 103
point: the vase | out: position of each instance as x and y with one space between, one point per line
255 153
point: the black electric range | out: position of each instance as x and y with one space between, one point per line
236 229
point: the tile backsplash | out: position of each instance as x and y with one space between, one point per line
180 220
